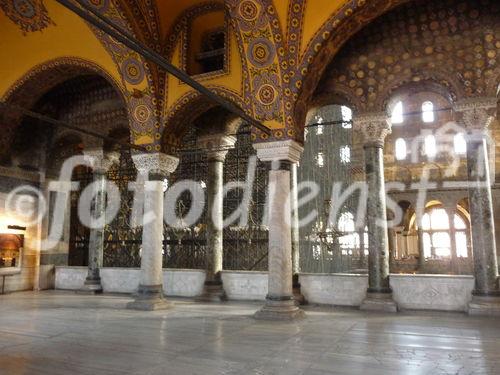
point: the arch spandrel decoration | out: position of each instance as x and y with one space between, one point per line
30 16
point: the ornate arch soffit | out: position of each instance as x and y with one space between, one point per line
328 40
40 79
186 109
30 16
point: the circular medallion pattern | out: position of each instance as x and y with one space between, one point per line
266 94
248 10
261 52
25 8
132 71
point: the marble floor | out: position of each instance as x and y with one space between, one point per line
63 333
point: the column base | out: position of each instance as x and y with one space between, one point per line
382 302
212 292
280 309
297 294
484 306
149 298
91 287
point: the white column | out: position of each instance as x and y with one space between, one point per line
374 127
476 115
154 167
217 147
280 304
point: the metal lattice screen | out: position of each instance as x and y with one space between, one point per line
338 246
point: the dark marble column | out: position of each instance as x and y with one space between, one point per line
280 304
374 128
154 168
476 115
217 147
101 162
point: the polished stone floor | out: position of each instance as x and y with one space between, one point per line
62 333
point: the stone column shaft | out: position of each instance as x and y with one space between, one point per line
374 128
217 147
476 115
280 303
154 168
101 162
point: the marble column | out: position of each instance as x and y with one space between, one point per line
450 211
101 162
421 247
154 167
374 127
280 304
294 206
216 147
476 115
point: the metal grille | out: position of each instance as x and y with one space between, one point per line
245 248
326 160
122 240
186 248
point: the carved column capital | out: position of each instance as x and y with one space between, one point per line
155 164
476 114
216 145
287 150
374 127
101 161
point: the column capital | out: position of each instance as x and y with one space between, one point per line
476 114
101 161
216 145
374 127
279 151
155 163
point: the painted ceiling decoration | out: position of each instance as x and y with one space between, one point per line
29 15
277 53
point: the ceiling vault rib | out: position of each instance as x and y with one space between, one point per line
115 31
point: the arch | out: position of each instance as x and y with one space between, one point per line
440 84
187 109
39 80
329 39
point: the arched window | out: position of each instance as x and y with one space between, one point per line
430 146
350 241
346 117
345 154
437 234
397 113
400 149
428 112
320 159
459 144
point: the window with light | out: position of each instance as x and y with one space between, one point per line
437 234
428 112
397 113
400 149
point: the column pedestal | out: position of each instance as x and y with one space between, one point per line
280 303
